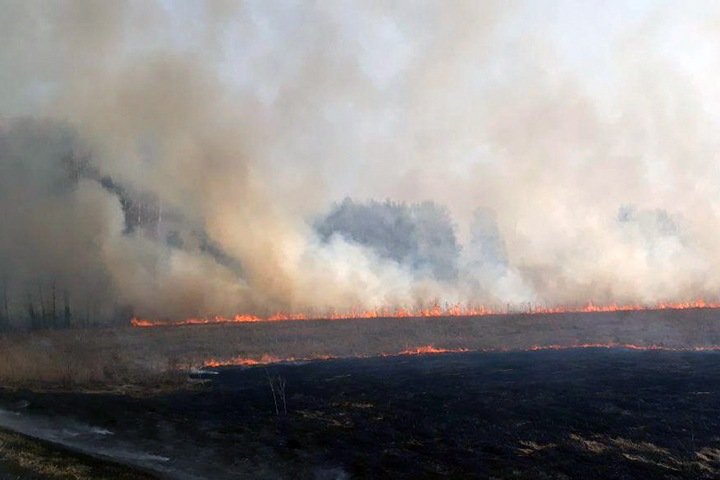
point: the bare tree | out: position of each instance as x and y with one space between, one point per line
53 307
272 389
43 310
67 312
280 383
6 304
277 387
32 313
5 316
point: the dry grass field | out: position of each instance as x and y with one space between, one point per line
158 358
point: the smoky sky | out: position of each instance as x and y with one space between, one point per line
420 236
192 158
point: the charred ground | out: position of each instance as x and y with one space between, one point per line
591 413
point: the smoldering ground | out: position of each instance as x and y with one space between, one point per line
189 159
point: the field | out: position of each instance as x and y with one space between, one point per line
587 413
139 360
511 405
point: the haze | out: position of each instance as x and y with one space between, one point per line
172 159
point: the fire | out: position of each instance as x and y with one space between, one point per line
263 360
432 350
245 362
429 349
431 312
281 317
626 346
266 359
138 322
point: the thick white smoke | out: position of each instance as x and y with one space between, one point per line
184 158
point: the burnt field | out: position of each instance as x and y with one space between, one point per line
579 413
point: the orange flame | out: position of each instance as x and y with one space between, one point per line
263 360
245 362
431 312
429 350
432 350
627 346
266 359
240 318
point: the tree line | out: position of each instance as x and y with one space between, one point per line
49 307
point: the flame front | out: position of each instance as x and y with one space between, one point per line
429 349
431 312
432 350
265 359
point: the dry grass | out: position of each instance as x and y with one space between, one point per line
73 359
25 458
705 460
121 358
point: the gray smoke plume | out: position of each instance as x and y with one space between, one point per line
420 236
171 159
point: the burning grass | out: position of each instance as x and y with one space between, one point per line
160 358
435 311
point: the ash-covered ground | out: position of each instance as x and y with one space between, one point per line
579 413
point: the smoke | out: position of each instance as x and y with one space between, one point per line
418 236
183 158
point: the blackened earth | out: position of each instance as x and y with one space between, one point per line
584 413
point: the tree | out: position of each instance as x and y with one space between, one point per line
5 314
67 312
32 313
